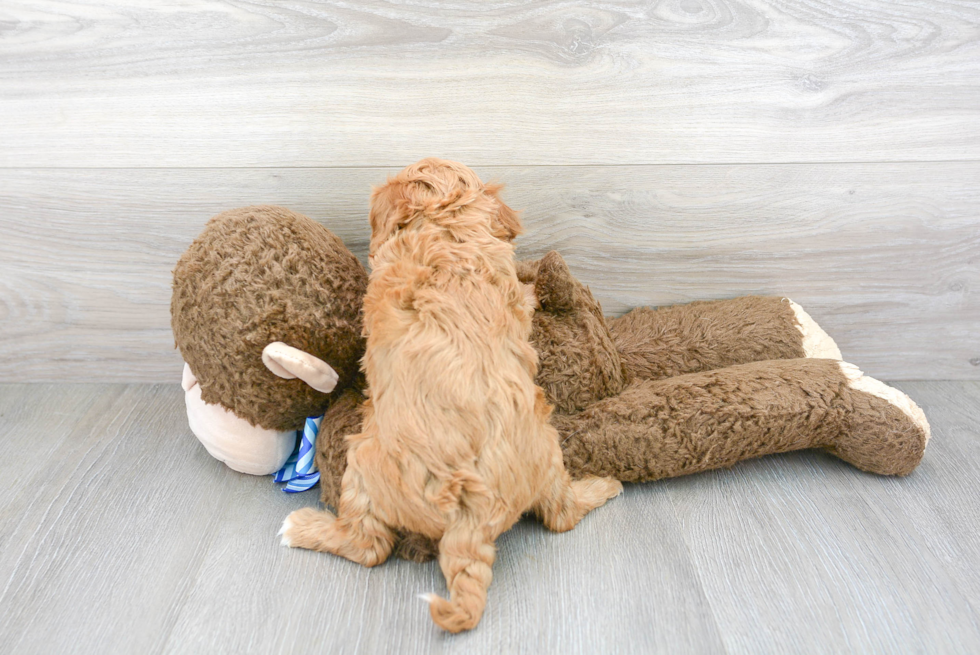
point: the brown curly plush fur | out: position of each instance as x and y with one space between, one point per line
257 275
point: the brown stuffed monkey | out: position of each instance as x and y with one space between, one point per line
266 313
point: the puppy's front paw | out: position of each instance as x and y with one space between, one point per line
302 527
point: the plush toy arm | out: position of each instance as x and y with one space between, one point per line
703 336
585 357
690 423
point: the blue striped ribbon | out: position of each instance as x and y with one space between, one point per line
299 472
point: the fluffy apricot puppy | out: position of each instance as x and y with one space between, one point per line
455 442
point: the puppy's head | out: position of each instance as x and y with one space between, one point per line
440 193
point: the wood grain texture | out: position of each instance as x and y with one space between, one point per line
299 599
788 544
209 83
101 546
946 524
135 540
883 256
802 542
124 536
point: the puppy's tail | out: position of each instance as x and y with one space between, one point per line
466 557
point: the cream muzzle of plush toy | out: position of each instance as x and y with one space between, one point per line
236 442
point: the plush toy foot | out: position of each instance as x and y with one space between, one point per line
816 342
886 432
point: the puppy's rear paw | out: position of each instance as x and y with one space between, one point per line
593 492
302 528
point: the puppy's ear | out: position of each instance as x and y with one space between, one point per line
506 224
382 206
388 210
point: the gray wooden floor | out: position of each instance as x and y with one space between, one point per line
119 534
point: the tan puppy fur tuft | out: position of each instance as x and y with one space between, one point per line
456 443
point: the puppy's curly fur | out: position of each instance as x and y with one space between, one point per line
455 443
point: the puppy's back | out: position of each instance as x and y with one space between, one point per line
449 344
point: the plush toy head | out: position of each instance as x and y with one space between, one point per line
579 363
266 312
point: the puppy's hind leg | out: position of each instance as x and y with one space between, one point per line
355 533
466 555
563 502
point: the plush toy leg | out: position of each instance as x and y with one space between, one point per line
701 421
703 336
355 533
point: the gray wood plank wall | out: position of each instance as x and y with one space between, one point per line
672 151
